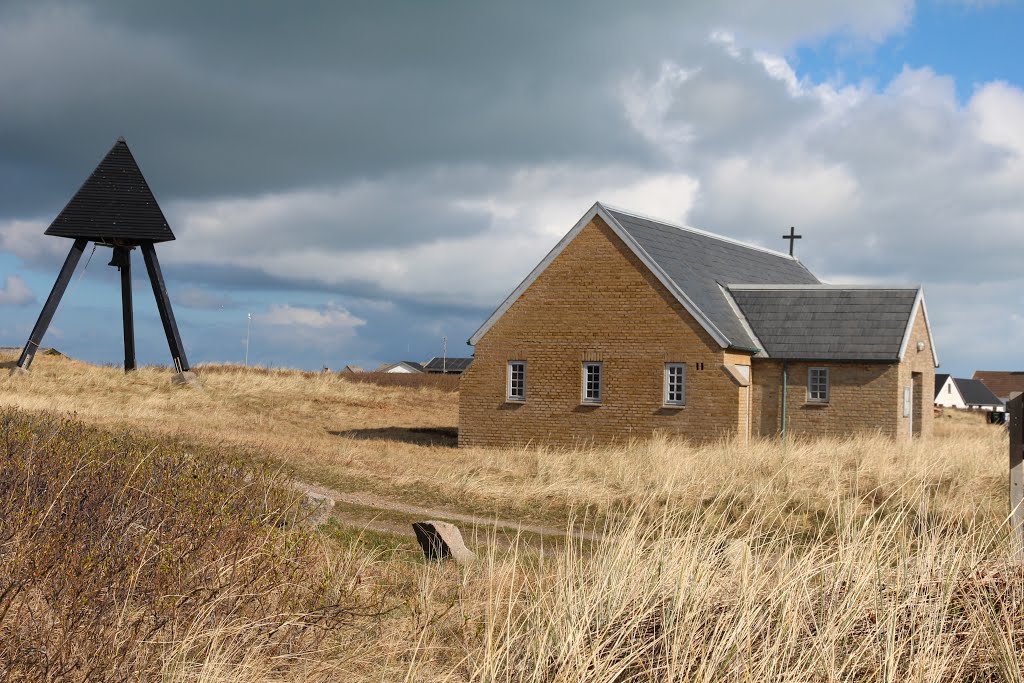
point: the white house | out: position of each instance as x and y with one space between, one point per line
965 394
405 367
947 395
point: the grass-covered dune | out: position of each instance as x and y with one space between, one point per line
154 537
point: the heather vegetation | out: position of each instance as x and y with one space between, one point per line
127 559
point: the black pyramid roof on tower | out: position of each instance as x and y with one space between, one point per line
114 203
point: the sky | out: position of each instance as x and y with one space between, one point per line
368 178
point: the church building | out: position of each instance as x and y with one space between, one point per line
632 326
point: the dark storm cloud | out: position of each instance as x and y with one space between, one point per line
276 97
241 99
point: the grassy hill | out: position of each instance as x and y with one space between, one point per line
158 535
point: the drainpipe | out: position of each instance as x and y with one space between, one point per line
785 387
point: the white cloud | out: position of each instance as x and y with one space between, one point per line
902 183
517 221
326 329
16 292
24 238
331 317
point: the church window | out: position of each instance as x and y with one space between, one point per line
817 385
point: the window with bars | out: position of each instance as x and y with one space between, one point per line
675 384
592 382
516 380
817 385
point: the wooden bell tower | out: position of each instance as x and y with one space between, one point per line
114 208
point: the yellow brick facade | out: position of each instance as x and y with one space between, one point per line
597 302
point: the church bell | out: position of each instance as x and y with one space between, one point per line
121 258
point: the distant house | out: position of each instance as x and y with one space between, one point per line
947 395
632 326
351 370
1000 383
447 366
965 394
407 367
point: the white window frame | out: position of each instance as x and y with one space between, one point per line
593 401
509 376
811 398
667 397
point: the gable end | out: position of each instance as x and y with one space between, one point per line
597 210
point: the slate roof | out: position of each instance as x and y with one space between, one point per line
975 393
1001 383
786 311
827 322
114 202
450 365
940 381
699 263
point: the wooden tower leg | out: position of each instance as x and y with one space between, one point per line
127 314
163 304
50 307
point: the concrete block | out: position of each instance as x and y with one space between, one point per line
319 507
19 372
187 378
442 541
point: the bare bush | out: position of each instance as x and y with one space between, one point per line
124 559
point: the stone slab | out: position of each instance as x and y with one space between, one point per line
187 378
442 541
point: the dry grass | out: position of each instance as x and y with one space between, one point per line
441 382
861 559
371 438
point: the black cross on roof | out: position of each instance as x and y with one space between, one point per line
792 237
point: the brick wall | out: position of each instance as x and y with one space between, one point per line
860 399
864 397
921 362
596 301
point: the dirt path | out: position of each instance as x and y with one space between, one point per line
415 512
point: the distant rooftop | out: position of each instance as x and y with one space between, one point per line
451 365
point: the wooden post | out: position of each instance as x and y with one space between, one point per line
127 315
163 305
1015 408
52 301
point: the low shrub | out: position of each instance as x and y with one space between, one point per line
128 559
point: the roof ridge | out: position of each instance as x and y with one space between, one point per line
699 231
891 288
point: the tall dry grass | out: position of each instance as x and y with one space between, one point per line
893 597
858 560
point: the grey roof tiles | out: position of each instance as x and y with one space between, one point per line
975 393
825 322
699 263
